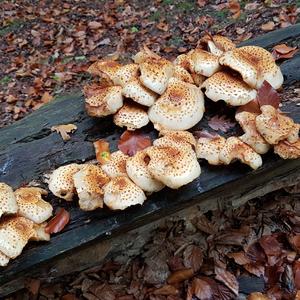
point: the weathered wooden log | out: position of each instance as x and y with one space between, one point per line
28 149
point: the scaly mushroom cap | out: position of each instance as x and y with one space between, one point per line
132 116
121 193
172 166
89 182
182 74
275 127
251 136
198 79
108 101
179 108
104 68
31 204
15 232
175 138
288 150
155 74
137 170
39 232
144 54
184 61
223 86
210 148
219 44
236 149
116 166
4 260
255 65
61 182
138 93
125 74
203 62
8 203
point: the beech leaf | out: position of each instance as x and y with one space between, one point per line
283 51
64 130
180 275
220 123
205 134
267 95
193 257
58 222
228 279
200 289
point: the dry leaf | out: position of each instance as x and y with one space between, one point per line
193 257
269 26
102 151
200 289
296 271
201 3
94 25
166 290
228 279
267 95
64 130
220 123
283 51
180 275
240 258
257 296
205 134
58 222
294 241
235 8
46 97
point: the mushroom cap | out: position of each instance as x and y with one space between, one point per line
155 74
4 260
89 181
255 65
61 182
31 204
175 138
121 193
210 148
8 203
231 89
15 232
108 101
219 44
236 149
179 108
274 126
125 74
137 170
116 166
39 232
104 68
198 79
138 93
144 54
287 150
172 166
184 61
182 74
132 116
203 62
251 136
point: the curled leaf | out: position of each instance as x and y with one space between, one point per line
64 130
228 279
267 95
201 289
180 275
220 123
58 222
283 51
193 257
102 151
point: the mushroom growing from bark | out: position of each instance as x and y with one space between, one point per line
31 204
61 182
287 150
275 127
251 136
8 203
172 166
121 193
125 74
234 148
104 68
137 170
116 166
107 101
89 182
231 89
218 44
132 116
179 108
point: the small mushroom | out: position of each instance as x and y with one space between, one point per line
210 148
138 93
236 149
182 74
104 68
287 150
31 204
132 116
251 136
155 74
8 203
179 108
255 64
61 182
4 260
172 166
89 182
116 166
125 74
121 193
218 44
107 101
137 170
231 89
275 127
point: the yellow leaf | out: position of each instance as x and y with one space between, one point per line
64 129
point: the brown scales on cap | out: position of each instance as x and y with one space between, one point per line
288 150
116 166
8 203
89 182
275 127
125 74
31 204
231 89
183 74
121 193
218 44
104 68
132 116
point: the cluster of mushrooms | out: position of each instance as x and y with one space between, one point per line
23 213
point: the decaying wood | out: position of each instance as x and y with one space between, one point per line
28 149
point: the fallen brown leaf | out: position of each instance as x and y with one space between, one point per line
180 275
58 222
193 257
283 51
166 290
257 296
220 123
46 97
267 95
64 130
269 26
228 279
201 3
200 289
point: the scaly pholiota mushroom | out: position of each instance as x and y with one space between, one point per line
8 202
287 150
89 182
125 74
105 69
218 44
121 193
116 166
